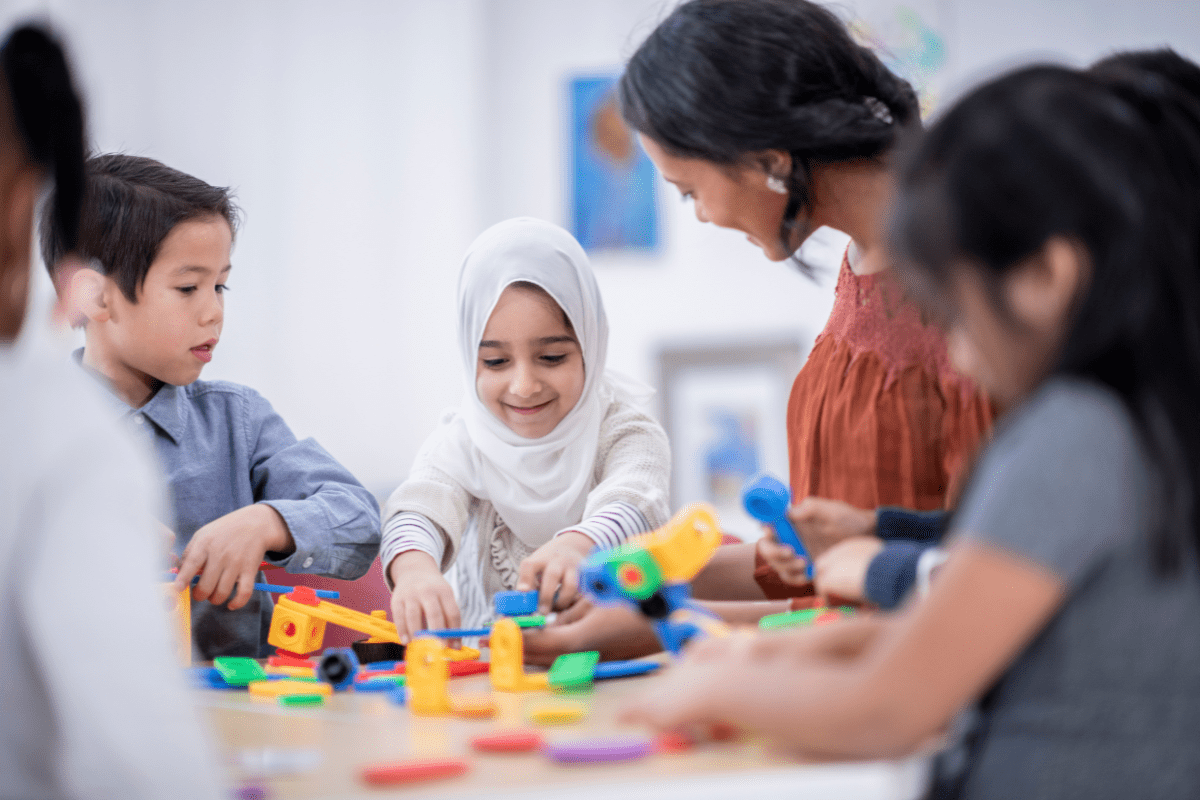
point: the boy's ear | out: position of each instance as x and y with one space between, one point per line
85 295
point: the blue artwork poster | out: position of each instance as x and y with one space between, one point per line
613 193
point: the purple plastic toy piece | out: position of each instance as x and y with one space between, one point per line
595 751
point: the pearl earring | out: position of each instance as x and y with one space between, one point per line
776 185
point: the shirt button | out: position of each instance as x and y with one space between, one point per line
308 562
139 419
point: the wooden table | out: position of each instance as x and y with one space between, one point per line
355 730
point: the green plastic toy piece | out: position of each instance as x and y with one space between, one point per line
375 680
530 621
237 671
637 573
794 619
572 670
301 700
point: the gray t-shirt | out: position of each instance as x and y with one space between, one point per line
1105 701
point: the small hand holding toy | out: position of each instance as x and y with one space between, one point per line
766 498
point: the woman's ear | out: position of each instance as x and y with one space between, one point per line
1042 291
776 163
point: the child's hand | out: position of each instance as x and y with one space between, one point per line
229 550
783 559
422 599
618 632
842 569
554 568
822 523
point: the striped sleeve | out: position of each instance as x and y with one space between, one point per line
611 525
409 531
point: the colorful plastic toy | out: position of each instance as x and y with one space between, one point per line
572 670
301 700
518 741
280 688
428 675
508 660
414 770
298 622
557 714
515 604
239 671
651 574
595 751
805 616
767 498
338 666
623 669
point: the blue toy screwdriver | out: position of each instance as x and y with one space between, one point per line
766 498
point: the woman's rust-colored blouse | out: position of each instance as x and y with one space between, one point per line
877 416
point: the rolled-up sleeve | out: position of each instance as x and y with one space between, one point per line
333 519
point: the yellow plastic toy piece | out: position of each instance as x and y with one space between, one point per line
462 654
562 714
473 707
299 628
280 688
685 544
180 605
507 669
380 615
428 674
291 672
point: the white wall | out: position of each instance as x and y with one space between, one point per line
369 142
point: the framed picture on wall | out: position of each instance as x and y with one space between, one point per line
724 408
613 203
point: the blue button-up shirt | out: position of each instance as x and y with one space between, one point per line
223 447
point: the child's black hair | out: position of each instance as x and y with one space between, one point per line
722 80
1110 161
130 205
48 117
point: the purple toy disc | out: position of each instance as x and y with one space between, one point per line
594 751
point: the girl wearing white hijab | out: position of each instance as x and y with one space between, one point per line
545 458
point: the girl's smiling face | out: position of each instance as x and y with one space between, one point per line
530 371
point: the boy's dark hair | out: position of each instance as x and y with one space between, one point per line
1110 161
721 80
130 205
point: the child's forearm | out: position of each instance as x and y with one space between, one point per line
744 612
729 575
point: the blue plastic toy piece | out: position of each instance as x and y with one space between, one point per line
516 604
399 695
766 498
277 589
338 666
456 633
210 678
623 669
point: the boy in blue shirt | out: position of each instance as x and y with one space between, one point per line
243 489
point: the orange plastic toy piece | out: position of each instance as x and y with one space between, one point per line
415 770
507 742
298 622
473 707
508 660
180 604
280 688
428 675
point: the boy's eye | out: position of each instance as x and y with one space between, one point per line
222 288
187 289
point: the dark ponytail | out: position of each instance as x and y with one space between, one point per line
721 80
1111 161
48 116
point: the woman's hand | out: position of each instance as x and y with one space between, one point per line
553 569
822 523
422 599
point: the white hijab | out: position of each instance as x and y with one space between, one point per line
538 486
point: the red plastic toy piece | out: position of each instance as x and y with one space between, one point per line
460 668
305 596
414 770
674 742
507 742
290 661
